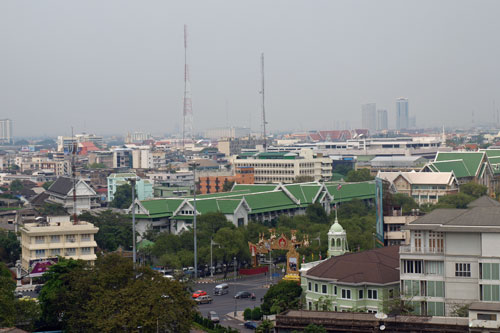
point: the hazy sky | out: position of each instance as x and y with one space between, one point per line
112 66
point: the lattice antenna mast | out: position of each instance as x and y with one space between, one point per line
74 146
187 124
264 134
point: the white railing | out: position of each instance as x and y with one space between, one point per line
422 249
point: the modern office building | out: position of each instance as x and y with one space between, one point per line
368 116
453 258
48 239
382 122
6 131
402 113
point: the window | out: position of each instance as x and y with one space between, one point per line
486 316
435 289
70 238
371 311
40 253
85 237
85 250
315 287
309 287
70 252
360 294
40 239
56 252
462 269
55 239
418 240
372 294
241 222
335 290
346 293
436 242
434 267
489 271
323 289
412 266
489 292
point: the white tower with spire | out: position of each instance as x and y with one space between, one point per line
337 239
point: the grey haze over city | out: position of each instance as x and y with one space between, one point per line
115 66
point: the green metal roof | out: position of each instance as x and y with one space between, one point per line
304 192
492 152
269 201
225 206
472 160
160 207
458 167
349 191
253 188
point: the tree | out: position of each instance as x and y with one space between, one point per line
404 201
52 209
227 186
342 169
316 213
7 299
46 185
10 248
114 229
360 175
97 166
282 296
256 314
303 179
113 297
16 186
265 327
473 189
458 200
122 197
311 328
232 244
247 314
460 310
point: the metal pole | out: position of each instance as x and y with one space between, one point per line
211 262
133 222
235 300
194 224
270 267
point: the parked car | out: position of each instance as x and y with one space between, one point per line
244 294
251 325
212 315
199 293
206 299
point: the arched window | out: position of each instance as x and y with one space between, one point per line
339 244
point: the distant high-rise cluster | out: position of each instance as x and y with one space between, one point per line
5 131
368 116
402 113
382 122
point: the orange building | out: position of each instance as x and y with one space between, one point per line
214 184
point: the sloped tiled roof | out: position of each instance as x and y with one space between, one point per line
377 266
61 186
349 191
160 207
472 160
304 192
457 166
443 178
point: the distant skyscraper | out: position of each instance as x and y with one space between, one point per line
382 123
402 113
413 122
5 131
368 116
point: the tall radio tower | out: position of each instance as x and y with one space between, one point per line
187 123
264 135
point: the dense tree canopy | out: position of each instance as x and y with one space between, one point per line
282 296
473 189
114 229
52 209
360 175
123 197
10 248
113 297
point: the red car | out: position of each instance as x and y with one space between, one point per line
199 293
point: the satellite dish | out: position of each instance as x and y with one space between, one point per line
380 315
382 327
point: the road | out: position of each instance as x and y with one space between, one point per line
225 304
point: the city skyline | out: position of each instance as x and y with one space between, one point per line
124 71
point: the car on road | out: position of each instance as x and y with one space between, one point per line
212 315
206 299
221 289
244 294
251 325
199 293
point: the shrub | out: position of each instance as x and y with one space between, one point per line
247 314
256 314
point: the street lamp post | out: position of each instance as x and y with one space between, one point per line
212 243
134 255
234 284
194 165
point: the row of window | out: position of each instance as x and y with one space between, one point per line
65 252
423 288
346 293
58 238
423 267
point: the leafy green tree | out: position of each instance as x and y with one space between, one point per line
458 200
247 314
316 213
232 244
114 229
113 297
474 189
227 186
303 179
282 296
46 185
10 248
7 299
404 201
122 197
27 314
256 314
265 327
16 186
342 169
360 175
52 209
311 328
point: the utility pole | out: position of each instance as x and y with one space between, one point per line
194 165
74 145
264 134
134 255
234 284
212 243
187 119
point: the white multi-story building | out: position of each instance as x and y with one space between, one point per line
142 158
5 131
66 143
453 258
368 116
285 167
50 239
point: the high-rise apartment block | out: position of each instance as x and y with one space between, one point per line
382 123
402 113
5 131
368 116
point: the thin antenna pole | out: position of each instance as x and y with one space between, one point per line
73 169
185 89
263 104
187 124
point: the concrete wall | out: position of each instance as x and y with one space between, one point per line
463 244
490 244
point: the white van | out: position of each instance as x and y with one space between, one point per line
221 289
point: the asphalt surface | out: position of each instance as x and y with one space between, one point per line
226 304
